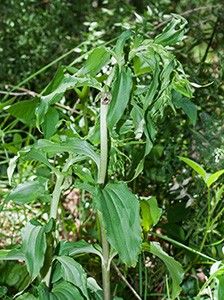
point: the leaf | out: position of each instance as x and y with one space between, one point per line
49 125
211 179
195 166
121 220
74 248
121 90
23 110
120 45
39 155
150 212
83 173
95 61
14 254
26 296
74 145
34 245
62 291
74 273
96 292
69 82
174 267
173 32
55 82
27 191
189 107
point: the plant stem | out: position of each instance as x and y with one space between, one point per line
101 181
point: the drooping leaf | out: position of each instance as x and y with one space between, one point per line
95 61
120 45
74 145
121 220
74 248
69 82
55 82
96 292
120 96
49 125
27 191
150 212
173 32
24 110
189 107
62 291
83 173
14 254
195 166
174 267
34 245
73 272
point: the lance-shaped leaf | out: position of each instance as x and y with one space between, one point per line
35 245
212 178
74 145
49 125
174 267
150 212
120 96
62 291
24 110
96 292
74 273
74 248
120 45
173 32
14 254
121 220
69 82
95 61
195 166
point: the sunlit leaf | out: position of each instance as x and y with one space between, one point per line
121 220
150 212
195 166
211 179
14 254
120 45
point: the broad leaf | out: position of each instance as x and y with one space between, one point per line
27 191
120 96
35 245
14 254
121 220
96 292
195 166
24 110
173 32
62 291
95 61
74 145
83 173
55 82
174 267
69 82
74 248
26 296
150 212
73 273
49 125
37 154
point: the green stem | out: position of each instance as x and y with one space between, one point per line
101 181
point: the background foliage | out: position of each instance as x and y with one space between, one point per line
33 34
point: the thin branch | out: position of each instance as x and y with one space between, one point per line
126 282
187 13
18 88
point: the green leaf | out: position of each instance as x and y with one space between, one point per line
121 90
83 173
74 145
96 292
120 45
173 32
7 103
195 166
220 287
95 61
49 125
37 154
74 273
55 82
211 179
26 296
27 191
121 220
62 291
189 107
24 110
74 248
34 245
14 254
69 82
174 267
150 212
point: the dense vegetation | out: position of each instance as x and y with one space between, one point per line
149 187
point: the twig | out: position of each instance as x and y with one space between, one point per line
187 13
126 282
18 88
72 110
